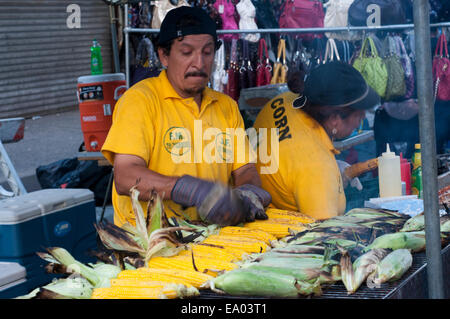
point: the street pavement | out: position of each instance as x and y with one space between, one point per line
47 139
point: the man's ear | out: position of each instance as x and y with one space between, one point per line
163 58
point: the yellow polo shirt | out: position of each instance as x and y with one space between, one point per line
175 138
308 178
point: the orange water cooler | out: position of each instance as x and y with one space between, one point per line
97 95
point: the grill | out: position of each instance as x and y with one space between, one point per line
413 284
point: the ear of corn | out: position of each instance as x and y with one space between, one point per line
180 276
211 251
249 245
136 282
247 282
408 240
247 232
278 227
296 217
393 266
167 292
202 264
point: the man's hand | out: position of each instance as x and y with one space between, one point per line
354 182
216 203
254 200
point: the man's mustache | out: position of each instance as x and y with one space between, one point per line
198 73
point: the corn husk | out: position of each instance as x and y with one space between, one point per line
354 274
392 267
259 283
152 235
415 241
64 288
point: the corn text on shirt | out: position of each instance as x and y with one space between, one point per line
175 137
308 178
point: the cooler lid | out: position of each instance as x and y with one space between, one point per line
109 77
11 272
46 201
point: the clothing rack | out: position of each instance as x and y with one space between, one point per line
426 121
127 30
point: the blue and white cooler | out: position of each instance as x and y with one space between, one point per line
32 222
12 280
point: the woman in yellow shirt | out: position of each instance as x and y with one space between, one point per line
328 105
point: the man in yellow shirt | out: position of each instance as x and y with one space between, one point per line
173 135
332 103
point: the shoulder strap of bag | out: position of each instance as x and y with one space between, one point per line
330 51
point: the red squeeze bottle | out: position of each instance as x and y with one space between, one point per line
405 171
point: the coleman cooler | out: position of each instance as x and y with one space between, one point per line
12 280
97 95
31 222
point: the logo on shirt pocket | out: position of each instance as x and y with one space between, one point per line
177 140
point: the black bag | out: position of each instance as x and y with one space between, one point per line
392 12
72 173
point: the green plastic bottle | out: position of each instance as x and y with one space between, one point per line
416 176
96 58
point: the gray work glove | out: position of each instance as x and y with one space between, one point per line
354 182
254 199
215 203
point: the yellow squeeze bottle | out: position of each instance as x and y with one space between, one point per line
389 174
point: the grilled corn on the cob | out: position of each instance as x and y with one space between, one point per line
248 233
249 245
208 265
167 292
210 251
278 227
180 276
296 217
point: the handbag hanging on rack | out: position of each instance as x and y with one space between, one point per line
219 76
395 86
280 68
407 67
441 70
227 11
372 67
331 51
247 76
161 8
263 69
233 88
302 14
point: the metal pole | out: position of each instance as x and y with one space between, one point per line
303 30
428 149
112 18
127 47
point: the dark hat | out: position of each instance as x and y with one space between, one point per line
169 30
339 84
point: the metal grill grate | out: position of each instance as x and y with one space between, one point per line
396 289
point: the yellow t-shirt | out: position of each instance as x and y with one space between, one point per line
308 178
175 138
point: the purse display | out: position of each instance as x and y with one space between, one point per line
395 86
372 67
264 68
441 70
227 11
280 68
160 9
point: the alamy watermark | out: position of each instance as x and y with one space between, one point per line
73 21
214 145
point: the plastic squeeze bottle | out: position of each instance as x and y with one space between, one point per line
96 58
416 177
389 174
